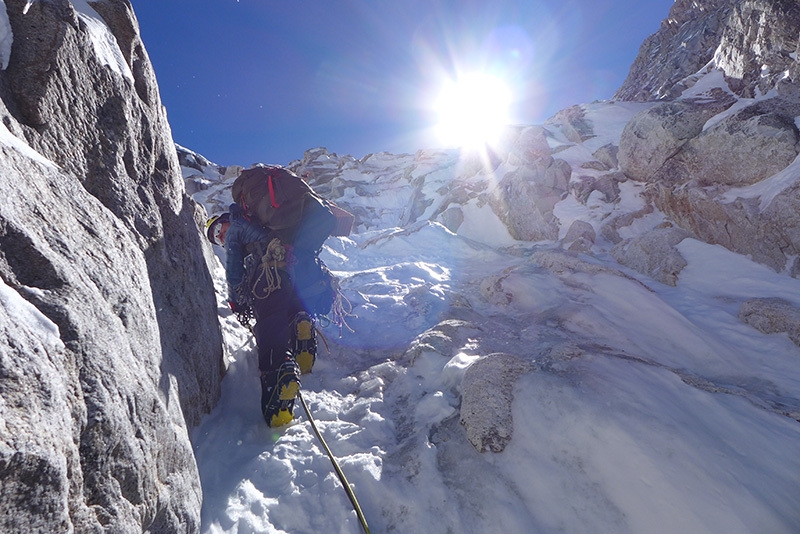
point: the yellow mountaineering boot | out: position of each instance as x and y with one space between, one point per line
305 346
277 400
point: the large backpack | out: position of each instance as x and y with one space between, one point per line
280 200
272 196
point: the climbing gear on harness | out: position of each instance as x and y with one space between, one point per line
341 309
244 313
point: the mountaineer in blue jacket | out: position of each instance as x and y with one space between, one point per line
260 268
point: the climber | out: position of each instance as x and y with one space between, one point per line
276 277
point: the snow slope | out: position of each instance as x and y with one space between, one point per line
649 408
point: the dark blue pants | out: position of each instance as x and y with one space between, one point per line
273 330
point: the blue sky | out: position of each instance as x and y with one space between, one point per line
264 80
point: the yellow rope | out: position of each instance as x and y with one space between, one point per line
350 493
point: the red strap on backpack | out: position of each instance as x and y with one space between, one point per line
272 193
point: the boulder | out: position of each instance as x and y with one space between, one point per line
580 237
452 218
525 199
654 254
612 225
745 148
772 316
573 124
607 155
768 234
607 184
653 136
487 392
531 145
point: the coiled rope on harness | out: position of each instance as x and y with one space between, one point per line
271 260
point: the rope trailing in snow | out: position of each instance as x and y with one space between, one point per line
350 493
336 467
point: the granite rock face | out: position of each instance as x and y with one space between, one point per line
708 150
750 41
110 347
657 134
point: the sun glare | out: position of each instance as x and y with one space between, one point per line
472 110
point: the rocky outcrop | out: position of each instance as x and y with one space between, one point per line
110 343
527 196
685 42
530 146
751 41
655 135
654 254
691 185
487 392
758 45
580 237
573 124
772 316
693 150
742 149
770 236
607 185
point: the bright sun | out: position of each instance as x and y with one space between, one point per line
472 110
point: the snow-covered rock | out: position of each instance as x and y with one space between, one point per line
487 392
654 254
772 316
741 149
465 271
751 41
655 135
580 237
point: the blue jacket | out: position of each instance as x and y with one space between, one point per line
240 234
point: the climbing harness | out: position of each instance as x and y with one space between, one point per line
350 493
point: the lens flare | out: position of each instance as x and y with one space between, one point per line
473 110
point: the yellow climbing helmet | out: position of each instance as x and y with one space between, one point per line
214 227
